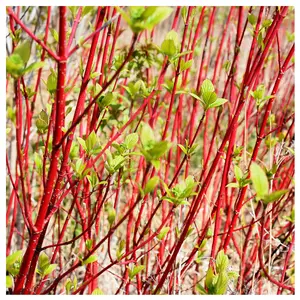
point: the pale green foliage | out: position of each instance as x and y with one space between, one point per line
217 284
259 96
91 144
135 270
13 262
181 191
111 213
151 149
151 184
163 233
208 97
17 61
90 260
140 18
44 266
261 185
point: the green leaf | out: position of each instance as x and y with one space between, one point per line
95 75
89 244
259 180
106 100
33 67
207 88
23 50
14 65
221 261
140 18
54 34
147 136
222 283
111 215
90 260
68 286
201 289
156 164
218 102
44 262
97 291
52 83
135 271
9 281
209 278
73 10
170 45
184 150
274 196
238 173
163 233
82 143
252 19
267 23
86 10
120 249
195 96
154 15
184 65
49 269
159 149
11 259
151 184
91 141
233 185
131 140
168 48
93 179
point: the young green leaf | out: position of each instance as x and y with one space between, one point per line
52 83
163 233
23 50
151 184
184 65
135 271
238 173
147 136
43 261
273 196
33 67
97 291
89 244
82 143
222 283
217 102
252 19
221 261
9 281
207 88
209 278
259 180
49 269
233 185
111 215
140 18
86 10
201 289
90 260
184 150
168 48
11 259
131 140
